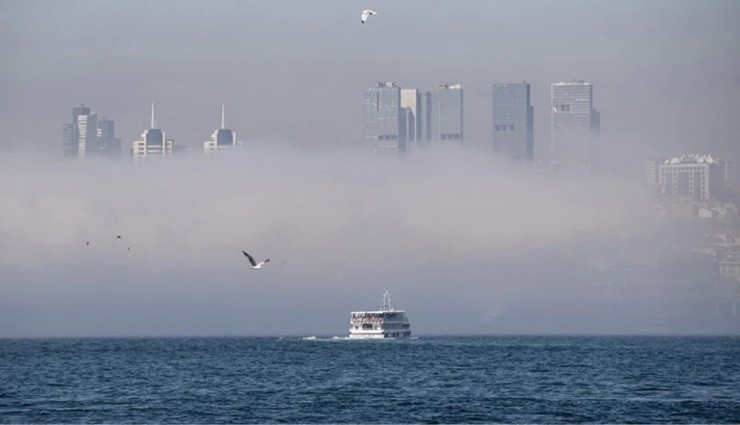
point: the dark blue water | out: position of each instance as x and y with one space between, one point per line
430 380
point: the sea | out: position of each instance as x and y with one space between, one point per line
434 379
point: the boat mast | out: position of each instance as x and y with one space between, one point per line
387 302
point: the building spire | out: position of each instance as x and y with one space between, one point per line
223 125
152 123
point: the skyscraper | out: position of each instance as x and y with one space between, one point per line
153 143
446 109
82 138
70 143
87 136
513 121
385 119
222 138
575 124
108 144
410 102
424 112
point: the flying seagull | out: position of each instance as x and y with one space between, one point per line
255 265
366 14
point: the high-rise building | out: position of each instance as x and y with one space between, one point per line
108 144
87 129
87 136
385 119
153 143
82 139
695 177
424 112
222 138
70 144
575 124
513 121
446 111
410 102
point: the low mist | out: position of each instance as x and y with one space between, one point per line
465 242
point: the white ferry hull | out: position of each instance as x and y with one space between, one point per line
378 335
366 336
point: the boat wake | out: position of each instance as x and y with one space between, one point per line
346 338
334 338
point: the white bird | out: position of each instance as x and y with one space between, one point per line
366 14
255 265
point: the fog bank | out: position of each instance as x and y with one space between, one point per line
465 242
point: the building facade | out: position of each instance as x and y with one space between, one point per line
81 139
729 266
513 121
108 144
385 119
70 144
693 177
446 110
222 138
88 136
153 143
424 112
575 124
410 103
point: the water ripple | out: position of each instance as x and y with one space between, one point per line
320 380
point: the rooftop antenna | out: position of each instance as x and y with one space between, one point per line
222 117
152 124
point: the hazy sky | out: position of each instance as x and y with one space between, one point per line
666 73
468 243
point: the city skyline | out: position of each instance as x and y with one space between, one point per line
199 194
627 65
415 121
397 119
520 247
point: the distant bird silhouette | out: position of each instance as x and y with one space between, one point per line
87 243
255 265
118 237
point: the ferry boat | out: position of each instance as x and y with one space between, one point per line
384 323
